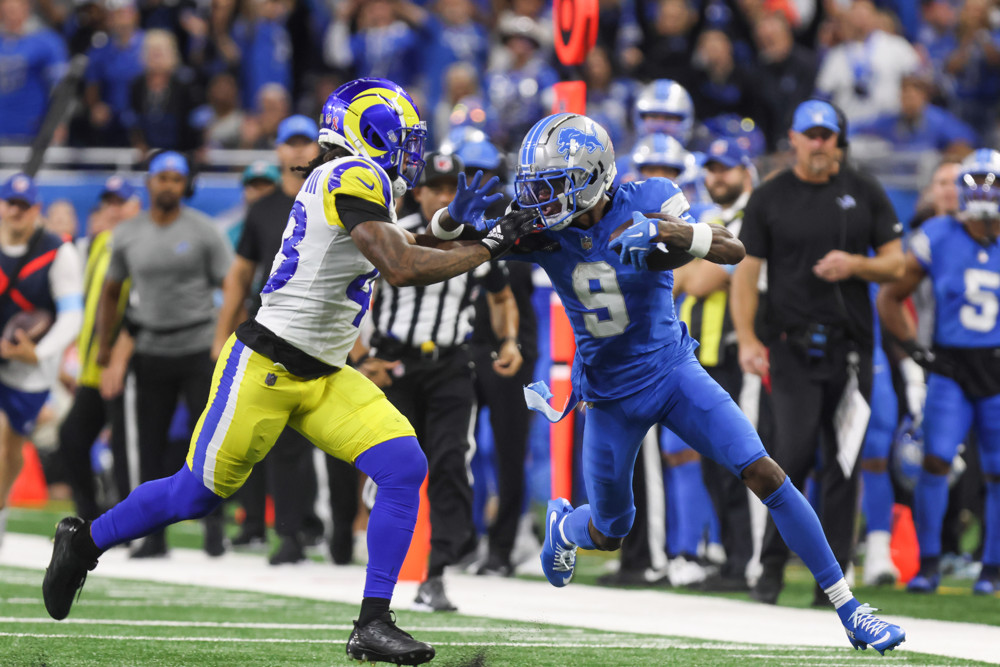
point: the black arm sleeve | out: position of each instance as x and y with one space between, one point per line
352 211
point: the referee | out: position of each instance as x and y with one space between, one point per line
420 336
826 232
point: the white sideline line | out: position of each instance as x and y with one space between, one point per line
505 644
646 612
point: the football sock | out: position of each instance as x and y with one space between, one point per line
930 501
843 600
153 506
801 530
877 499
686 500
991 521
398 468
576 527
372 608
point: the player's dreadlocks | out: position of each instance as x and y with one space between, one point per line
322 159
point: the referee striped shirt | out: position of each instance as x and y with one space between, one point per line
441 313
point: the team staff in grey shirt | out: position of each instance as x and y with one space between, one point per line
175 258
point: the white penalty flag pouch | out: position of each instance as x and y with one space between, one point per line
850 421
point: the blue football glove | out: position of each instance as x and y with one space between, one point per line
634 244
471 201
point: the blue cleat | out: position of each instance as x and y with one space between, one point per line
924 583
558 553
864 629
986 587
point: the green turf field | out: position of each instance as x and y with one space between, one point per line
120 622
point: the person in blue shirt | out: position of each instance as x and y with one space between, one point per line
449 35
920 125
961 256
383 44
112 67
30 64
519 87
266 52
635 365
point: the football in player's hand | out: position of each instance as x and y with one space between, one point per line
35 323
657 259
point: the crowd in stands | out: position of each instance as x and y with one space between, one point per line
221 73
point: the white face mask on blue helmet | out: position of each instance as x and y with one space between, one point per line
565 166
979 185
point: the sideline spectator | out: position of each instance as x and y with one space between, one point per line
175 258
265 50
162 98
98 400
862 75
819 318
31 62
112 68
50 282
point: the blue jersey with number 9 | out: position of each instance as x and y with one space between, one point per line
626 329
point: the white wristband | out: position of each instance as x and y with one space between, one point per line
701 239
439 231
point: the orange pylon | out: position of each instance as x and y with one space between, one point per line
30 487
904 547
415 565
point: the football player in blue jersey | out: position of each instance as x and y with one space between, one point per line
635 365
961 256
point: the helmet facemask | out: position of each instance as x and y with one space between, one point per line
556 194
979 200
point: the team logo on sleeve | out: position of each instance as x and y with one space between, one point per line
571 140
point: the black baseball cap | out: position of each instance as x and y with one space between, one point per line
440 166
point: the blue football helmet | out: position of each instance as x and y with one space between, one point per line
379 120
979 185
665 106
565 165
660 150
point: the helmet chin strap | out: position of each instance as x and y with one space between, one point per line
398 187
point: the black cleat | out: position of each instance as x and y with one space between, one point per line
431 596
769 585
381 641
67 570
289 552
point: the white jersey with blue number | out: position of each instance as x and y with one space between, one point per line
320 286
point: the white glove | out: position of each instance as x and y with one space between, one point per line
916 388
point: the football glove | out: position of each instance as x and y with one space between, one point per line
633 245
508 230
471 201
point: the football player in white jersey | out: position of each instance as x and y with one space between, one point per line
288 365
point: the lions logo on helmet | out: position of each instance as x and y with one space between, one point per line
377 119
565 165
571 140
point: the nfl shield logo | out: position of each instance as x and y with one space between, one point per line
587 243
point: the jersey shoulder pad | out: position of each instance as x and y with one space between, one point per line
663 195
356 177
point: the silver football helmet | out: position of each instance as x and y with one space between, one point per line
565 165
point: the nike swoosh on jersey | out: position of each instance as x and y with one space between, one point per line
365 183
